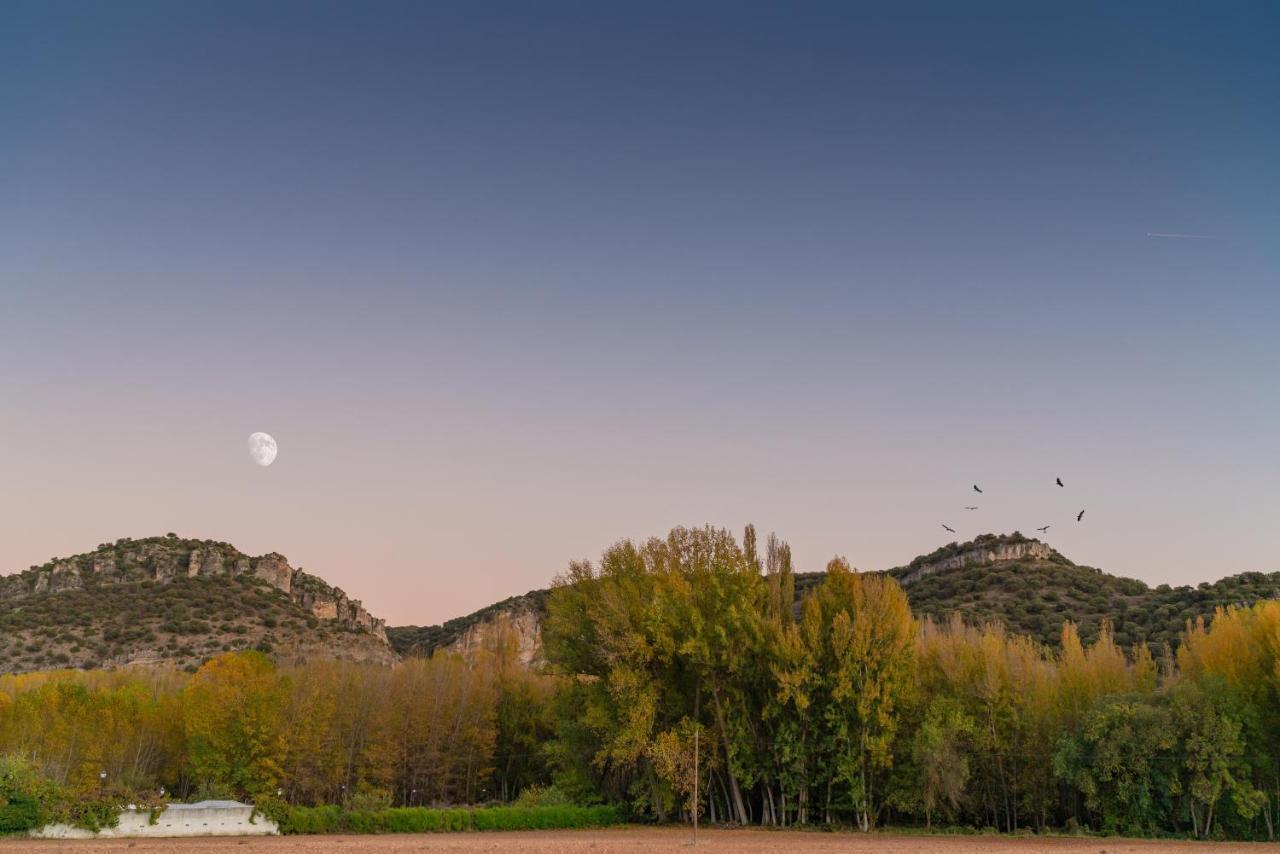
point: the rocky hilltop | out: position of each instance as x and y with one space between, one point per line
984 551
1012 579
174 600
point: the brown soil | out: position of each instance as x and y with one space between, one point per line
634 841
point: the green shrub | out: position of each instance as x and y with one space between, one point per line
332 819
19 813
543 796
310 820
363 821
370 800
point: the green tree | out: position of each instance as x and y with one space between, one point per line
1123 764
1212 756
940 754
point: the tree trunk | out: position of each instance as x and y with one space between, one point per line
739 808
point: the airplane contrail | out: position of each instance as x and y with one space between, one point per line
1175 236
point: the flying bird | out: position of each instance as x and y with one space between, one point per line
1060 483
1042 530
1081 516
975 507
975 488
952 530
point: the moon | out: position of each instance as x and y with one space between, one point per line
262 449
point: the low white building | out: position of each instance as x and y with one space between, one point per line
206 818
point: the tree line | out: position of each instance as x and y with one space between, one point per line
684 664
436 731
847 709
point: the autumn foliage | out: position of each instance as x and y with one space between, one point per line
681 677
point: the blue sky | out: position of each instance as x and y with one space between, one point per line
510 281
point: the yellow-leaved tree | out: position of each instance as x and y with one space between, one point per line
235 722
867 638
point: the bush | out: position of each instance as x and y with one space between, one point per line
27 800
370 800
543 796
309 819
18 813
363 821
332 819
420 820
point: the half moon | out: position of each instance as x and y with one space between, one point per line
262 449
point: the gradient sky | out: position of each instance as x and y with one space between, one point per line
509 282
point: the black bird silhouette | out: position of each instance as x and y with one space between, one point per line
1081 516
971 508
975 488
1042 530
952 530
1060 483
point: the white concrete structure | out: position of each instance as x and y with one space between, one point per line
207 818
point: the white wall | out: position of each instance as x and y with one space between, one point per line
178 820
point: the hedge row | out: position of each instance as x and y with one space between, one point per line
333 819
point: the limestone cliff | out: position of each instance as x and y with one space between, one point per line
516 621
976 553
519 629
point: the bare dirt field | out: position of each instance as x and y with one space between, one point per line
631 841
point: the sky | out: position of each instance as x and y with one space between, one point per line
509 282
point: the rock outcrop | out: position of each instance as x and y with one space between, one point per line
514 624
975 553
519 630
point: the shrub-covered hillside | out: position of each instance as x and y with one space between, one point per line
179 602
1034 596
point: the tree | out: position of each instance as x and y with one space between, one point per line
1239 654
1123 762
314 765
678 759
939 751
435 734
867 652
235 723
1212 751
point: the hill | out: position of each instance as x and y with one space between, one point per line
522 614
1032 589
1012 579
169 600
